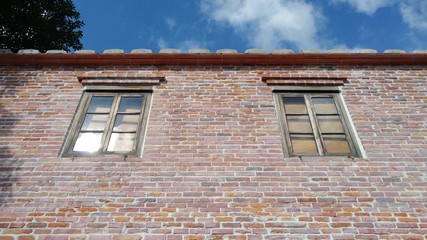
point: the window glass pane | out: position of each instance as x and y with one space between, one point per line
336 144
299 124
330 124
100 104
130 104
294 105
303 144
121 142
88 142
324 105
126 122
94 122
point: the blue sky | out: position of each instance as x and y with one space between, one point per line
243 24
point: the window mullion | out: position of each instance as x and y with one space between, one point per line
314 124
110 123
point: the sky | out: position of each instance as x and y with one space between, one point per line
244 24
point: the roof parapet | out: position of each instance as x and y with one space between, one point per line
220 51
222 57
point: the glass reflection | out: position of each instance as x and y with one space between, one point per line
121 142
88 142
294 105
100 104
126 123
130 104
303 144
324 105
336 144
94 122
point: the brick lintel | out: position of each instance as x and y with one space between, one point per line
155 80
303 80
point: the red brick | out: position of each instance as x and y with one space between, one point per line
6 238
58 225
26 238
127 237
17 231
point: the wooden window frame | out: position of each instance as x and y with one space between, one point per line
79 117
350 133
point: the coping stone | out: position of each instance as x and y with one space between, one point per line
226 50
5 51
114 50
366 50
255 50
28 51
141 50
56 51
283 51
420 51
394 51
198 50
84 51
170 50
338 50
310 51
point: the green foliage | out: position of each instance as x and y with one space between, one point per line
39 24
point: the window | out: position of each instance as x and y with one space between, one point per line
108 123
315 124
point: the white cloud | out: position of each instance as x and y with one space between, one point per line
189 44
414 14
368 7
184 45
170 22
269 24
161 43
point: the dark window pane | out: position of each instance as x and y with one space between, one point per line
121 142
130 104
95 122
330 124
88 142
299 124
126 123
100 104
303 144
294 105
336 144
323 105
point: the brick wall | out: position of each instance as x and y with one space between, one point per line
212 165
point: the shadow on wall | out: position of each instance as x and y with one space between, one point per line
8 162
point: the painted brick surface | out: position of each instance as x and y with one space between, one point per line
212 165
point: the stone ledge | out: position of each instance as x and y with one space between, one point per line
121 81
286 80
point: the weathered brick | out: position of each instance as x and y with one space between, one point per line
127 237
17 231
36 225
58 225
6 238
122 219
224 219
26 238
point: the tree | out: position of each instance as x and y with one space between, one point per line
39 24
